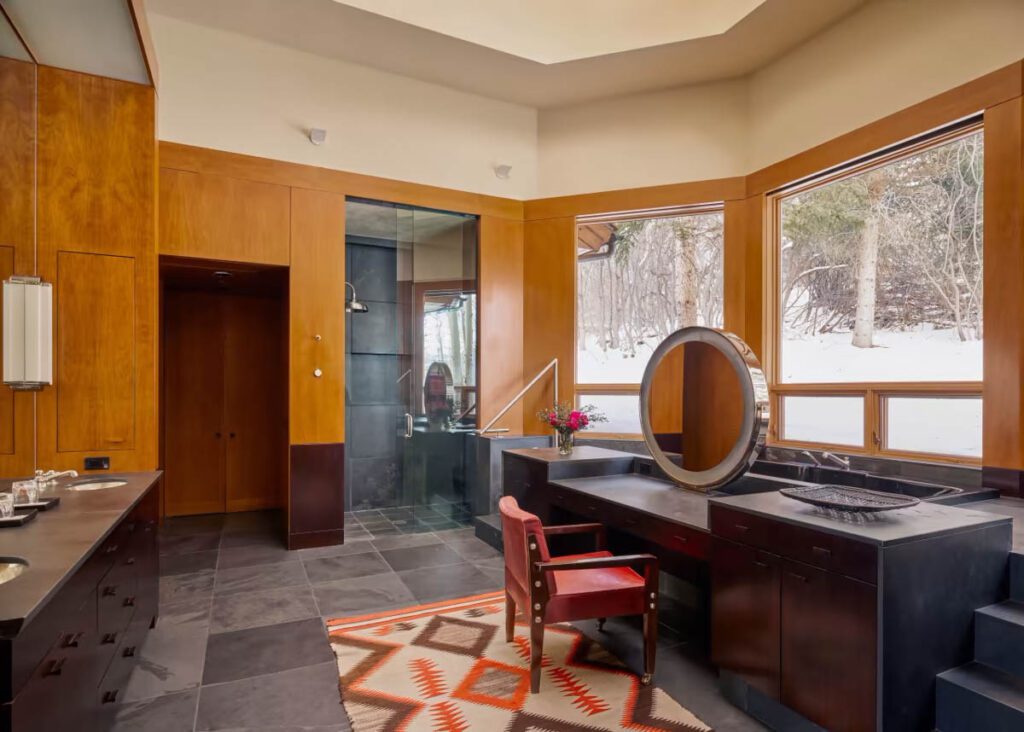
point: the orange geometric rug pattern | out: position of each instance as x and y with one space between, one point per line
445 667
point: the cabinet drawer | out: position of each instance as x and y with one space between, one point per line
589 508
819 549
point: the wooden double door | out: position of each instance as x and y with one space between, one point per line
224 402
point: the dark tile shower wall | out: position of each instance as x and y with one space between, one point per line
373 471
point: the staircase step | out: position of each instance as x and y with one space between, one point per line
999 636
1016 576
977 697
488 528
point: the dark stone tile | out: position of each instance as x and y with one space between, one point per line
375 331
271 522
496 574
303 697
373 272
474 549
247 556
371 379
372 482
362 595
188 543
329 569
433 555
456 534
268 649
208 523
404 541
253 609
351 546
388 531
250 537
187 563
194 613
259 577
377 433
166 713
440 583
171 659
420 528
197 585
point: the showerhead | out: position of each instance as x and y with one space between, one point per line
353 305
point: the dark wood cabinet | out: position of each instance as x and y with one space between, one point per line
68 666
745 625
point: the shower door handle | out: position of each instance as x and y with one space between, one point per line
408 425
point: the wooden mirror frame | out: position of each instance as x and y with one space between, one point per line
756 410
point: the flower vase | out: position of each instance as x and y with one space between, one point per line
565 442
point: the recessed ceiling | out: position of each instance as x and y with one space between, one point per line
551 32
759 32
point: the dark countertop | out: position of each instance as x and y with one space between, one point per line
583 453
886 528
57 542
647 495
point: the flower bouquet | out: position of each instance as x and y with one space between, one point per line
567 421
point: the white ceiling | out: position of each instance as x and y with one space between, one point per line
482 47
566 30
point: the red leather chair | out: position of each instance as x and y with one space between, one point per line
573 587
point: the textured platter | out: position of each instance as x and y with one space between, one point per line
847 498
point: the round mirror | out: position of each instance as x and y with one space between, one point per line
704 407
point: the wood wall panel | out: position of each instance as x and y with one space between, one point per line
317 307
96 160
667 399
1003 390
713 408
549 312
94 351
17 239
500 270
216 217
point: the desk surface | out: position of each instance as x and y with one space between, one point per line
647 495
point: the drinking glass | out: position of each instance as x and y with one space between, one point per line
6 505
26 491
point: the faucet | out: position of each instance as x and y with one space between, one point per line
811 456
51 476
844 463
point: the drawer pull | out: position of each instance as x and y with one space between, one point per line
631 522
109 697
129 601
109 591
53 668
70 640
111 549
108 638
759 563
128 652
796 576
741 527
130 561
680 539
821 551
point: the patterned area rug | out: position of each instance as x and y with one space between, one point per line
446 667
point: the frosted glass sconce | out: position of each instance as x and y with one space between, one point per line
28 333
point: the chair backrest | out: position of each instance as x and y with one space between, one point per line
517 527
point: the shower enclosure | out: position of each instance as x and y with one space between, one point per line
411 365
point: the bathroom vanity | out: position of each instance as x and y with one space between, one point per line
72 621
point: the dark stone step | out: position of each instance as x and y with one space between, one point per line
999 636
977 697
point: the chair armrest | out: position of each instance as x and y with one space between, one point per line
597 529
649 562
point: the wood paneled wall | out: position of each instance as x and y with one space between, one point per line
96 219
17 239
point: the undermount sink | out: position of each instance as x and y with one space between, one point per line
10 568
95 485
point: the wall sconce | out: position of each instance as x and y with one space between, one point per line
28 333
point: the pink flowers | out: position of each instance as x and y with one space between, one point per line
565 419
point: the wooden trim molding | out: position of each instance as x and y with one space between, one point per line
235 165
137 8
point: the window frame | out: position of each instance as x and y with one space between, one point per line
874 393
581 389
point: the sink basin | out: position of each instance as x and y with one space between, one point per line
11 568
825 475
95 485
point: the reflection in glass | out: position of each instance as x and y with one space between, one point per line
945 426
833 420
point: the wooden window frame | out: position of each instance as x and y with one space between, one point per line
874 393
610 389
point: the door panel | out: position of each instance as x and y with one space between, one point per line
95 352
255 419
7 396
193 403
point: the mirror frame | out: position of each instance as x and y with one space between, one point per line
756 409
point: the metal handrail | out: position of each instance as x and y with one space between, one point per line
552 365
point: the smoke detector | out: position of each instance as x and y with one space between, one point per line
317 136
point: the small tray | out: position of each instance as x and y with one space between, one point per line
847 498
18 519
44 505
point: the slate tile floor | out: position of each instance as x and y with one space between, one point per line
241 642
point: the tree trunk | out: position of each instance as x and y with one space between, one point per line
867 266
690 276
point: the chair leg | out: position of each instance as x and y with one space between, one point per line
510 618
536 653
650 644
600 624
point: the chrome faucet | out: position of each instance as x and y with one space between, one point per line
844 463
811 456
50 477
